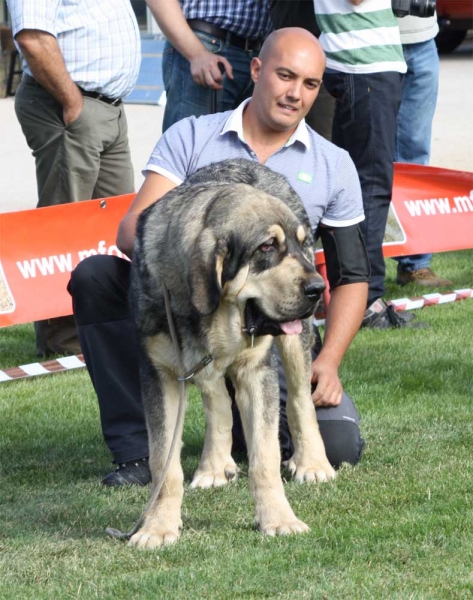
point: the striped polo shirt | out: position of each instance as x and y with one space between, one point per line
360 39
322 174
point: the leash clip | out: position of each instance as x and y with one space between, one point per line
251 333
197 369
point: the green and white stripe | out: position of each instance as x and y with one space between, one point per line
360 39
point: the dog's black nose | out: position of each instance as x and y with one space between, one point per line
314 287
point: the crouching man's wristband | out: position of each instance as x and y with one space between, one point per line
345 255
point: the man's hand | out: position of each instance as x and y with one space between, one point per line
344 315
71 112
43 55
207 69
328 391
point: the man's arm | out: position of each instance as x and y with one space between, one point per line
204 64
348 273
43 55
344 315
154 187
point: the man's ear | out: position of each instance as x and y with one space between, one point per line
206 273
255 68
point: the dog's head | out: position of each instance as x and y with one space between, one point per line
253 251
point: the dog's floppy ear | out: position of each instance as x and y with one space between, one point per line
206 272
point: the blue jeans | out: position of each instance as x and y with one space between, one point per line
414 121
364 124
185 98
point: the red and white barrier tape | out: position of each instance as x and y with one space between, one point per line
419 302
75 362
431 299
58 365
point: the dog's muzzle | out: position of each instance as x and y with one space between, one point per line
257 323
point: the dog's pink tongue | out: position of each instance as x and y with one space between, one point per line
291 327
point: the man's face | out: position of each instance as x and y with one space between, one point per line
286 86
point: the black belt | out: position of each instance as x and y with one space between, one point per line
98 96
114 101
223 34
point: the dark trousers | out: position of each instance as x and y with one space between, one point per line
99 288
364 124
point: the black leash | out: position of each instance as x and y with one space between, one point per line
115 533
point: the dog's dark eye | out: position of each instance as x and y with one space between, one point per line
268 246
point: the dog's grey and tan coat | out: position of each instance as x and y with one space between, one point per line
234 236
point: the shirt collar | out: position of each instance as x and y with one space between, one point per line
235 123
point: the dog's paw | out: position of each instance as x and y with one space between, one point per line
282 525
315 471
207 478
284 528
276 517
151 537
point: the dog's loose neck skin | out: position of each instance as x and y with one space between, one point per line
229 345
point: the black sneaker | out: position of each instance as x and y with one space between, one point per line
381 315
135 472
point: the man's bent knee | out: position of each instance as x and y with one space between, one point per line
343 442
99 289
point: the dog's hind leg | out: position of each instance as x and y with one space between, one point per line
216 466
162 519
309 461
257 399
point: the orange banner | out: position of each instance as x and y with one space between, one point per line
432 211
39 248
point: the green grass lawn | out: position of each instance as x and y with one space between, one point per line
397 526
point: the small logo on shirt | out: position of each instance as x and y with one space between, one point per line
305 177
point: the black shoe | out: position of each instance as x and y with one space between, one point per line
383 316
135 472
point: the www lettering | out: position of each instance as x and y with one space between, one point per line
47 265
62 263
439 206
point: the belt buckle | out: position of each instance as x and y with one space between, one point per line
115 102
256 45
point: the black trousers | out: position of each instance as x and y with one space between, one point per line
364 124
99 289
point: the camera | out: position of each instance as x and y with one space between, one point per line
416 8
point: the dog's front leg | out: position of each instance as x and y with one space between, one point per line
257 397
309 461
162 520
216 466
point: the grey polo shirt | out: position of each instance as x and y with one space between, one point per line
322 174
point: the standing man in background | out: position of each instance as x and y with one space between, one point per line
414 124
210 47
364 72
79 59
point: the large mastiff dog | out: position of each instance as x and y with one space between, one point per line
233 247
